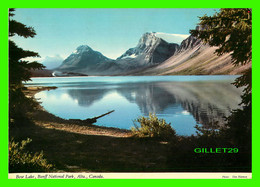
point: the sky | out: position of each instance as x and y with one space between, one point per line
109 31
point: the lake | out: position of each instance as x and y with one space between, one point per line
183 101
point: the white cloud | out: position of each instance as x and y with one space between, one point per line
172 38
52 61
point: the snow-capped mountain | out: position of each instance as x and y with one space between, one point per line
85 60
150 50
83 57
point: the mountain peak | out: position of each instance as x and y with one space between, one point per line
83 48
167 37
82 58
149 35
150 50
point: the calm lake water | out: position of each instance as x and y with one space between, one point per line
183 101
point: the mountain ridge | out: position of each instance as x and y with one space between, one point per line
195 58
153 56
149 51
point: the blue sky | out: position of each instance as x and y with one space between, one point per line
110 31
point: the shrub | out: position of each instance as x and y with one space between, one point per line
21 160
213 131
153 127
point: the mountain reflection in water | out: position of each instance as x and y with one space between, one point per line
183 104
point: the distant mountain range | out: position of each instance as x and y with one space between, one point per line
150 50
152 56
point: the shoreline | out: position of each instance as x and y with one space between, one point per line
43 118
81 147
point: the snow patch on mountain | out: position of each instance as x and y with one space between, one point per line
129 56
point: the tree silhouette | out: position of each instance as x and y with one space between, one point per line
231 31
19 70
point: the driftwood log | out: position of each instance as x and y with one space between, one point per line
93 120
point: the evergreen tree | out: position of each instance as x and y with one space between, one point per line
19 70
231 31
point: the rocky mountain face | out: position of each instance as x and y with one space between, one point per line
150 50
188 43
195 58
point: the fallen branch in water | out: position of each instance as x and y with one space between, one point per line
93 120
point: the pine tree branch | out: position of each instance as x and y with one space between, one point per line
20 29
16 53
